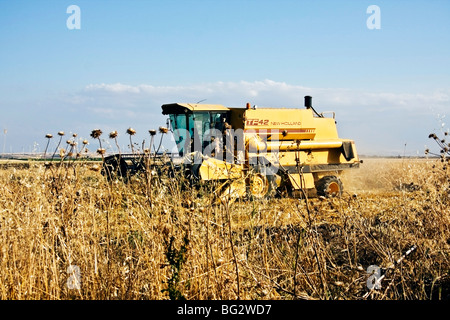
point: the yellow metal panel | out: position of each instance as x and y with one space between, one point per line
284 123
214 169
325 128
305 181
291 124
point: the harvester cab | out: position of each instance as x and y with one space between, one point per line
194 125
262 151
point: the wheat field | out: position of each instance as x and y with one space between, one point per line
67 232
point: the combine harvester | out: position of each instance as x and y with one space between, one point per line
256 152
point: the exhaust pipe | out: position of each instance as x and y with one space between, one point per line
308 105
308 102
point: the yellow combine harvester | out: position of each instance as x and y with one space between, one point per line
261 151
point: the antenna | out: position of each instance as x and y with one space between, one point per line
202 100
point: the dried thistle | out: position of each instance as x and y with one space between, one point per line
96 133
61 133
101 151
163 130
152 132
113 134
48 136
131 131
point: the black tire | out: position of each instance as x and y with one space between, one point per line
329 186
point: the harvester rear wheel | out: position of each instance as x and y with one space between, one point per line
329 186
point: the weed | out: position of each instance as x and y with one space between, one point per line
176 259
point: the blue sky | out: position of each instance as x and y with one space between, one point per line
390 87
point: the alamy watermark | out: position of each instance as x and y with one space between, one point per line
73 22
74 279
229 145
374 279
374 20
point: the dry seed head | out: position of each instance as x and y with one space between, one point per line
71 143
62 152
85 142
74 135
95 167
96 133
131 131
152 132
101 151
113 134
163 130
49 136
61 133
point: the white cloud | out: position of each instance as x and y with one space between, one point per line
114 88
265 93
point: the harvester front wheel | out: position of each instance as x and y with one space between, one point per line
329 186
259 186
